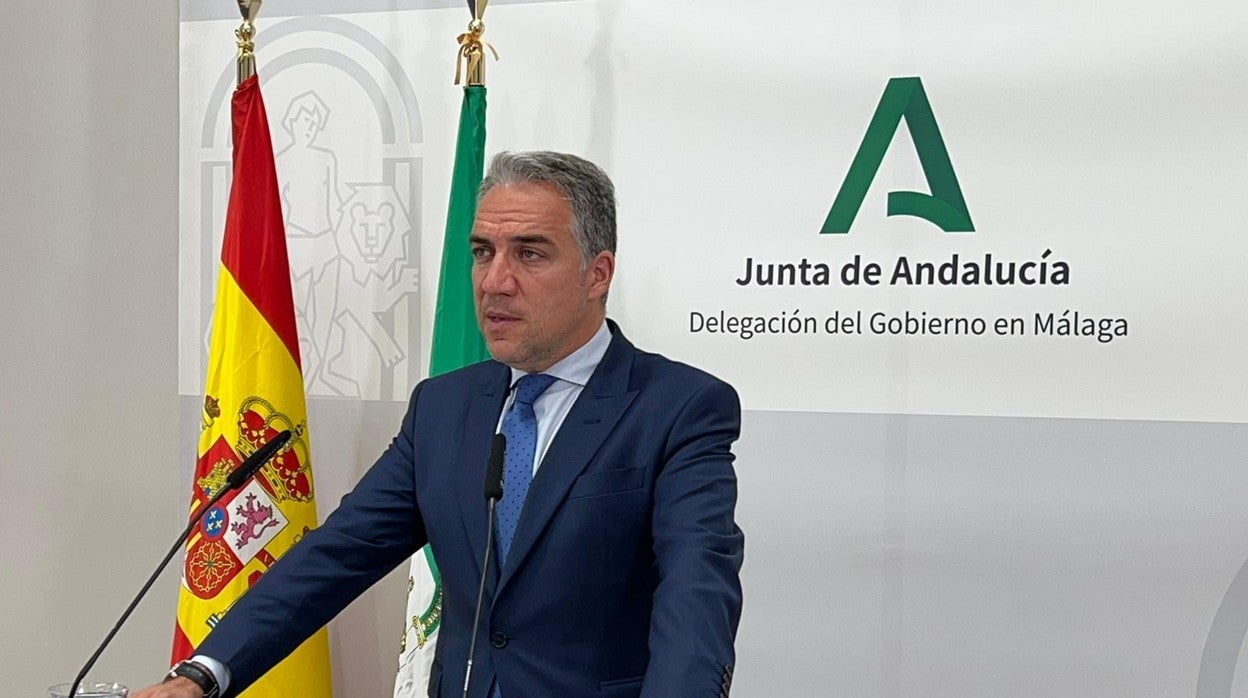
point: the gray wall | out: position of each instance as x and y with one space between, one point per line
959 556
88 416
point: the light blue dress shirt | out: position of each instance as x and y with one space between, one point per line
552 407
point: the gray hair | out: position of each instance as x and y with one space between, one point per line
587 188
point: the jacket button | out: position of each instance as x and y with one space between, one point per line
498 639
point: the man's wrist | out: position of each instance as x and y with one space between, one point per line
197 675
219 671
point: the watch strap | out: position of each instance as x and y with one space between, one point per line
198 674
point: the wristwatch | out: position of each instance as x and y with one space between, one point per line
198 675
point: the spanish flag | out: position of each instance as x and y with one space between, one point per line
254 390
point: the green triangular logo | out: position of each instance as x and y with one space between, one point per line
903 98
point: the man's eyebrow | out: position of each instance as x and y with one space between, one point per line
533 239
528 239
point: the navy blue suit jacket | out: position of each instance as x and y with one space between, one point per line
622 579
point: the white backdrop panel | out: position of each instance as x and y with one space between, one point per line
973 551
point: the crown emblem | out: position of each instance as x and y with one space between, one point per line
286 475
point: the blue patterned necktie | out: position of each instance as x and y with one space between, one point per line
520 428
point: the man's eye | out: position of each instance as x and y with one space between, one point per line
480 253
529 254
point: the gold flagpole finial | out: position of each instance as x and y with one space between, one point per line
470 63
245 37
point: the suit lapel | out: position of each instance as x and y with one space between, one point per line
479 427
592 418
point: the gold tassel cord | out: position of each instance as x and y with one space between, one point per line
470 61
245 36
246 39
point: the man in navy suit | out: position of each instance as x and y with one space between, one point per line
618 552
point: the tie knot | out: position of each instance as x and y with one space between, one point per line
530 387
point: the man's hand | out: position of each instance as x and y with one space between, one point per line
180 687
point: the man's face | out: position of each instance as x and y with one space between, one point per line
535 304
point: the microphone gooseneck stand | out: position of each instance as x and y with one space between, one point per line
493 493
233 481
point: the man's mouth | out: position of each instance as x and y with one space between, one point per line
498 319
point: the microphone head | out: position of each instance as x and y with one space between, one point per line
253 463
494 468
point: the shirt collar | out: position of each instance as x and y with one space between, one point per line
577 367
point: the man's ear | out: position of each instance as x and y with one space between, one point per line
599 274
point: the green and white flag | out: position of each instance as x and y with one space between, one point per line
456 342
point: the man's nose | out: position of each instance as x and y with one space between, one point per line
499 278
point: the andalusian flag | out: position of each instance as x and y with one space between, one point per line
457 339
254 391
456 342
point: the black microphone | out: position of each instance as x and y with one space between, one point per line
494 468
262 455
493 493
233 481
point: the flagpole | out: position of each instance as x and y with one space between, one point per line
245 35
